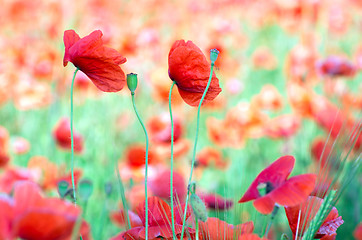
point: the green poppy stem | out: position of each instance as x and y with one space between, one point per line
71 136
195 147
273 214
146 162
171 163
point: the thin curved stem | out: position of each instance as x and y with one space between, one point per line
195 146
71 135
146 163
123 197
171 163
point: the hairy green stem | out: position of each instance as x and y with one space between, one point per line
171 163
146 162
194 149
71 135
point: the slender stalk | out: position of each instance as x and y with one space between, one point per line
123 197
195 146
274 213
71 135
146 162
171 163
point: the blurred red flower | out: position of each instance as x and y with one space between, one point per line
210 157
215 201
188 67
283 126
160 128
308 209
335 66
358 232
29 215
159 220
62 137
99 63
135 156
216 229
279 189
160 185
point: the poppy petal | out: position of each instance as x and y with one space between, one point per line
159 212
26 195
295 190
189 68
70 38
264 205
107 76
276 173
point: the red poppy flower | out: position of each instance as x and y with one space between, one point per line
278 189
269 98
99 63
210 157
62 135
4 159
335 66
358 232
283 126
118 218
188 67
135 156
11 176
308 209
160 185
216 229
159 221
7 213
214 201
29 214
321 151
160 128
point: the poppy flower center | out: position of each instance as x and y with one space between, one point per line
264 188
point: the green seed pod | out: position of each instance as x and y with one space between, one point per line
85 189
132 82
214 53
199 208
62 188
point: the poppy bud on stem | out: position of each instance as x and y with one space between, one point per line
132 85
132 82
214 53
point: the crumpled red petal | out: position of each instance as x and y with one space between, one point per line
190 70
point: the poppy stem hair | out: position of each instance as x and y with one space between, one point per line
213 56
71 135
132 84
171 163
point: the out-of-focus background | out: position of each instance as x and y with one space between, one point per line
290 73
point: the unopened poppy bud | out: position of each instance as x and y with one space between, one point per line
213 55
62 188
108 188
132 82
85 189
198 207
